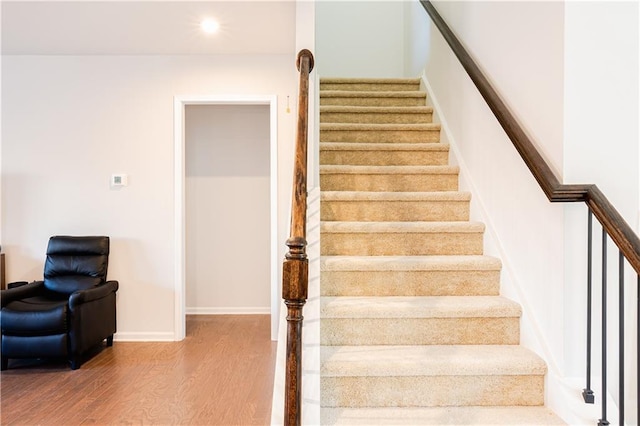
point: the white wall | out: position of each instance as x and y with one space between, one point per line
1 92
227 150
360 38
523 227
601 92
70 122
569 72
527 65
601 113
417 38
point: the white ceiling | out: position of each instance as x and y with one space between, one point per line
146 27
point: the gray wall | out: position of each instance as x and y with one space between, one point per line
227 208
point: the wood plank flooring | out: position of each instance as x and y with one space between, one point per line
221 374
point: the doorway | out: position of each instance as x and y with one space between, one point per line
226 207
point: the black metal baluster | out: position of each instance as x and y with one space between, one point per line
603 421
621 338
587 393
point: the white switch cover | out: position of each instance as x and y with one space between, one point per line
119 180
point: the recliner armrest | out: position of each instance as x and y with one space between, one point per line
83 296
21 291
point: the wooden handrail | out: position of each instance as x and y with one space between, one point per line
617 228
295 268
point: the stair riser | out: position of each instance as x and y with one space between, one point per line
419 331
384 158
410 283
390 244
379 211
371 87
373 118
431 391
370 101
377 136
390 182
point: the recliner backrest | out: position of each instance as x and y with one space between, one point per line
76 263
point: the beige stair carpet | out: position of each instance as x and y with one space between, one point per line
413 329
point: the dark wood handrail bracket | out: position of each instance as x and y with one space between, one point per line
617 228
295 268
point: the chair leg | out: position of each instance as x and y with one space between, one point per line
75 361
110 340
4 364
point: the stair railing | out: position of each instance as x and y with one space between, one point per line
295 268
613 225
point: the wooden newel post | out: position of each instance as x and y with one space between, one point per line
294 273
295 269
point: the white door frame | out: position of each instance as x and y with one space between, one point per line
180 102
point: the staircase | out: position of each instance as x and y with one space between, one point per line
413 329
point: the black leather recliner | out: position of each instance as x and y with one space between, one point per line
73 309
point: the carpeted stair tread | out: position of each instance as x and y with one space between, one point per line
338 227
384 154
376 114
401 238
370 80
429 360
410 263
410 275
419 320
396 206
372 206
376 132
381 146
377 110
379 127
419 307
386 170
440 416
398 178
394 196
369 84
372 94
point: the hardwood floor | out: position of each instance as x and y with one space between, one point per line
221 374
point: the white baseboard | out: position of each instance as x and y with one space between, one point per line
229 311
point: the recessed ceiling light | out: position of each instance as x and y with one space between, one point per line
209 25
